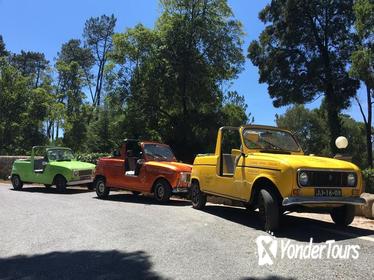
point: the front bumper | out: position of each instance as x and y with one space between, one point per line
80 182
305 200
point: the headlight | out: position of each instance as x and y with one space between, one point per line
184 177
303 178
75 173
351 179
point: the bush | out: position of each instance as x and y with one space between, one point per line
91 157
368 176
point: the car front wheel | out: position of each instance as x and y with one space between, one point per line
198 198
60 184
17 183
102 190
269 210
162 191
343 215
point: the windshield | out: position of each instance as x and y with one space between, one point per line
60 155
270 139
158 152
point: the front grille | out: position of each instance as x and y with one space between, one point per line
87 172
326 179
188 177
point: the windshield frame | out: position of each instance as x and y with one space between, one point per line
149 157
270 128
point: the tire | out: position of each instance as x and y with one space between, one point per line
90 186
269 210
198 198
17 183
47 186
60 182
135 193
162 191
102 191
344 215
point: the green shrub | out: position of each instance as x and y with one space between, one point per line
368 176
90 157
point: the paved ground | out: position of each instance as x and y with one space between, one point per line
46 235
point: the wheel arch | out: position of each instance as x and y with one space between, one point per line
264 183
57 175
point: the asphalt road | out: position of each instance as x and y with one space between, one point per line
46 235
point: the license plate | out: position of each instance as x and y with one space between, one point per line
328 192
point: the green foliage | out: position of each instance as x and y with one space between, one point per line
22 111
304 52
90 157
172 76
368 176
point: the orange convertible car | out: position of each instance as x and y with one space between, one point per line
142 167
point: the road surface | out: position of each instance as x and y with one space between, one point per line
46 235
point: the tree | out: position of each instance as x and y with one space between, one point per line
3 51
308 127
304 52
97 34
31 64
176 72
22 111
73 62
362 67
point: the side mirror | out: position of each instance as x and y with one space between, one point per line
116 153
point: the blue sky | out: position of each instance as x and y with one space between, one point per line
44 25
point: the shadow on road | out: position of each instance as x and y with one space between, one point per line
52 190
145 199
79 265
297 228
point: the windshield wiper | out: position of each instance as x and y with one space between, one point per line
272 144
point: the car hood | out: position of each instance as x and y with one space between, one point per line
176 166
303 161
76 165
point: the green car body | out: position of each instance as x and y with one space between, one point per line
52 170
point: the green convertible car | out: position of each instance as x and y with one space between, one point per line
52 166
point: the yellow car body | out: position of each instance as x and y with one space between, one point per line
253 169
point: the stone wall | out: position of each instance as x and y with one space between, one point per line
6 163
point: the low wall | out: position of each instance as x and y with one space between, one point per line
6 163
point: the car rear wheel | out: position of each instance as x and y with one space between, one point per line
343 215
162 191
17 183
102 191
269 210
60 182
198 198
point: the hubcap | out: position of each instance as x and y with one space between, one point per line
16 181
101 187
160 191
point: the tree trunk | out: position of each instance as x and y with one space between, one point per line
368 129
332 118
